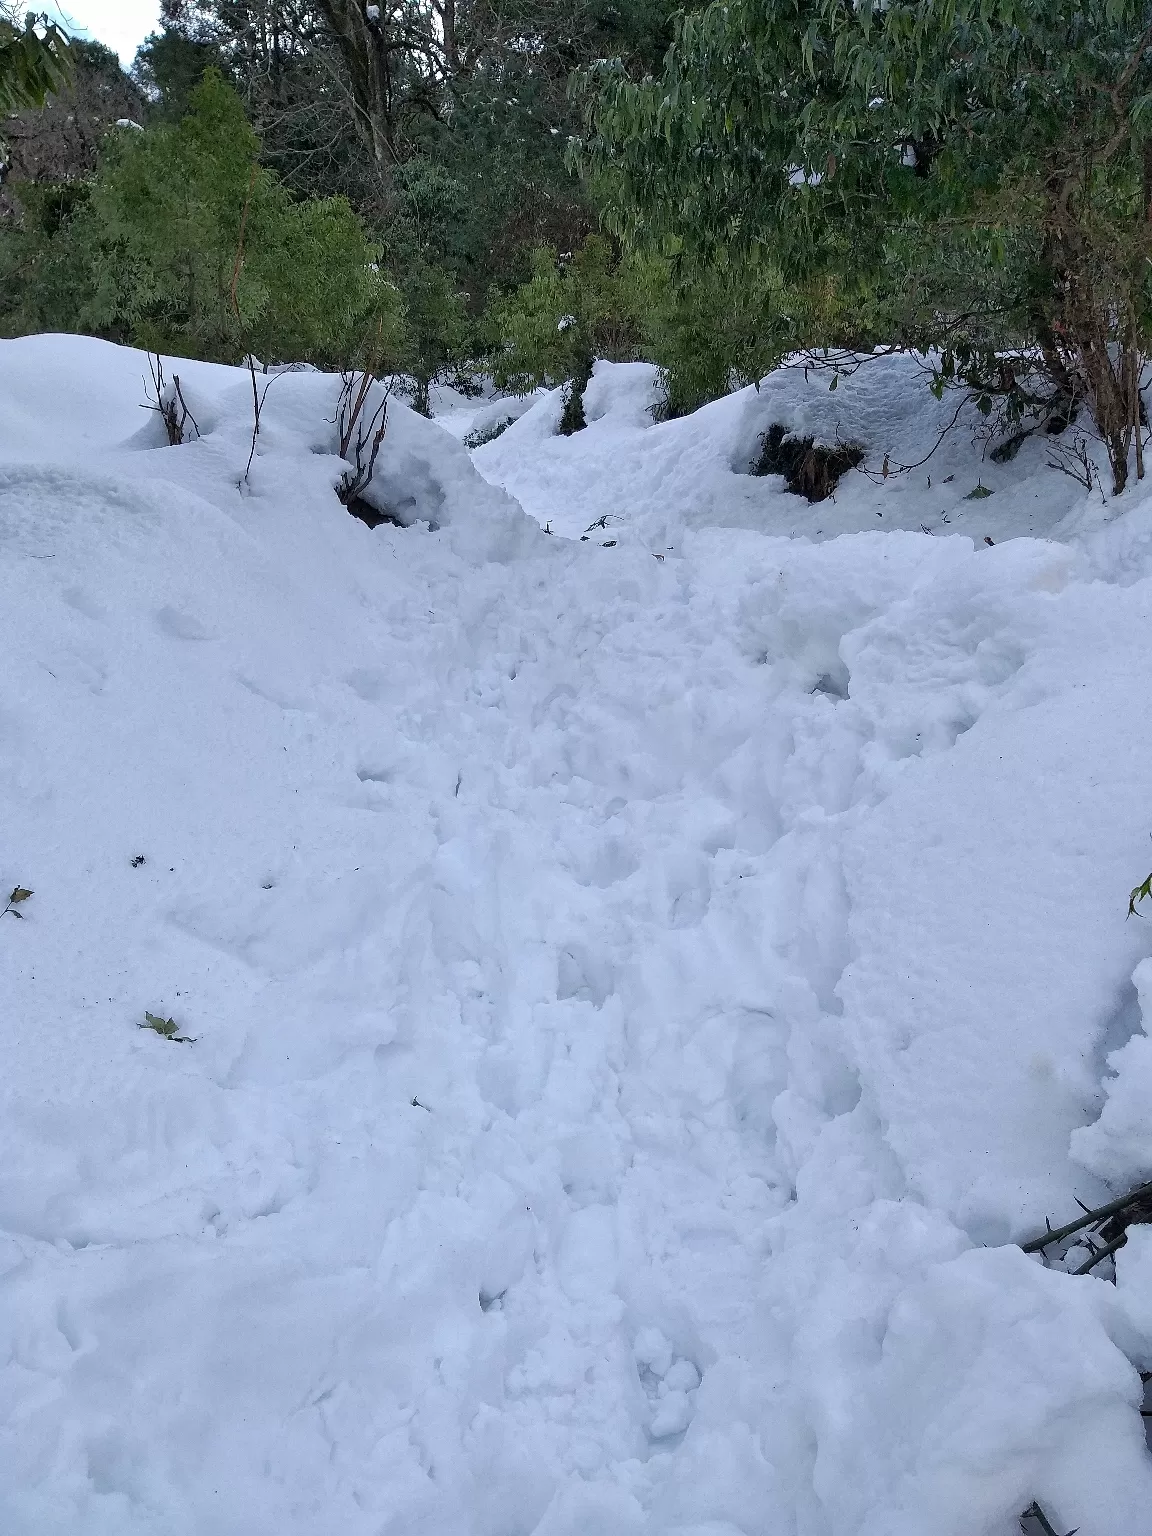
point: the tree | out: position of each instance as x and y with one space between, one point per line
60 140
34 60
443 121
438 335
288 73
551 330
184 244
714 327
171 63
977 171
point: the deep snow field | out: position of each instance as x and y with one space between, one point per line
640 990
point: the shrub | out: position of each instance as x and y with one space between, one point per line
572 310
982 166
438 334
184 244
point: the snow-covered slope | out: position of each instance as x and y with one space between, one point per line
635 1002
652 482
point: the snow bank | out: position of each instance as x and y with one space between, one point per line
636 1002
653 483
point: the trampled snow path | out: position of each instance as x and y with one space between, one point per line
626 992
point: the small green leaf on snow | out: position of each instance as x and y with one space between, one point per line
165 1027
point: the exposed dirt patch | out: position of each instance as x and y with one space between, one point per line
810 469
371 515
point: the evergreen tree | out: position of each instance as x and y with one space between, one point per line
572 311
184 244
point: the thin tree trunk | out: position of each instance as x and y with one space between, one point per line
448 18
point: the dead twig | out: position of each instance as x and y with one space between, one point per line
171 407
258 399
360 431
1074 460
186 414
234 296
1105 1230
1034 1512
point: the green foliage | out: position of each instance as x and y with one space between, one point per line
445 124
485 188
722 324
977 173
812 126
167 1029
1138 894
34 60
573 309
438 334
184 244
710 327
45 270
169 65
483 435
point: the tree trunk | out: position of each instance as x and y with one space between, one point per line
367 56
1080 345
448 20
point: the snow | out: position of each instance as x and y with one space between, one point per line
637 1002
656 481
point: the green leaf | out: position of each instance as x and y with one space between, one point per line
165 1027
33 62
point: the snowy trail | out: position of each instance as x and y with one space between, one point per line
594 1108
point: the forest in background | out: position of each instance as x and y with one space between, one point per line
456 189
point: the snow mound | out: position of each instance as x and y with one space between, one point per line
503 411
422 474
628 392
632 1004
654 483
1118 1146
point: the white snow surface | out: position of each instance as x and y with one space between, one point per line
639 990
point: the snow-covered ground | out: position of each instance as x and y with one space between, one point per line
639 989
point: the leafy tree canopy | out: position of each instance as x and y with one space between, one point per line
977 172
33 60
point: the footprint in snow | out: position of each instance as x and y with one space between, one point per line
670 1381
83 602
181 626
